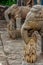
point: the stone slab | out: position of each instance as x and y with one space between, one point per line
14 51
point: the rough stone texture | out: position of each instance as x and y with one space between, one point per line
2 55
17 14
11 51
33 22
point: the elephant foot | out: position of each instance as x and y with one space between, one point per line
31 59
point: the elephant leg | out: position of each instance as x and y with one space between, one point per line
24 34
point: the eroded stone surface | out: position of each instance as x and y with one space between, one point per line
12 52
2 55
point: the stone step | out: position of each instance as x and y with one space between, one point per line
3 24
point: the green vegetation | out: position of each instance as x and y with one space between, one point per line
8 2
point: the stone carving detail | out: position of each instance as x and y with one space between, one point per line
33 22
33 48
14 15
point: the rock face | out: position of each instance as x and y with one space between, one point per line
16 14
33 22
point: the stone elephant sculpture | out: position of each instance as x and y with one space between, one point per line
33 22
13 16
